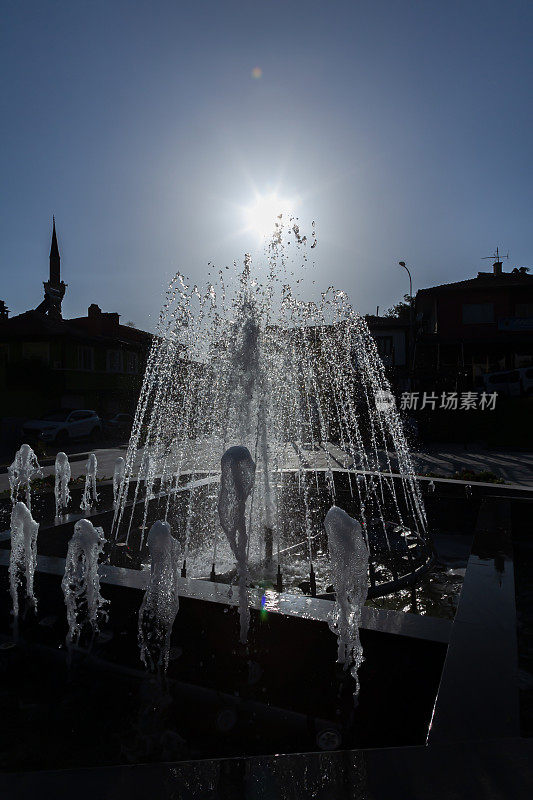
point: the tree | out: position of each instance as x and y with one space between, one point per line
401 310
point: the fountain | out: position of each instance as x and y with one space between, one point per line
62 478
161 600
23 558
118 477
299 384
349 566
22 471
81 583
90 495
236 482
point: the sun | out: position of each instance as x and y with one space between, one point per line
261 217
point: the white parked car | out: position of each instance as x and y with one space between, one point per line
62 426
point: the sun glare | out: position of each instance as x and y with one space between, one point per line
262 216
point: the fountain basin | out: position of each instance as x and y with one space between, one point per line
282 692
424 679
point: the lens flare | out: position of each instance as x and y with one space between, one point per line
263 215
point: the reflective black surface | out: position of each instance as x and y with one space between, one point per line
490 770
478 696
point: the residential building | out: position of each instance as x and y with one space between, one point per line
471 327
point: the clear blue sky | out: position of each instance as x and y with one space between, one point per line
405 128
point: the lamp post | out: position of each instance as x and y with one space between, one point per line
411 331
402 264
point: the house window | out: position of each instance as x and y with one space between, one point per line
523 310
132 363
86 358
114 361
478 313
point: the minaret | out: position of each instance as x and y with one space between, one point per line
54 289
55 260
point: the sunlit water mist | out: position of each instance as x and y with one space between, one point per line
257 366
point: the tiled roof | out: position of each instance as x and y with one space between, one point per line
103 328
484 280
35 323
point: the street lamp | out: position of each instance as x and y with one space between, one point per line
411 342
402 264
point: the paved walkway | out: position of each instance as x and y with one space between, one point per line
513 467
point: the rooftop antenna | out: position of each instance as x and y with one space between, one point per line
495 256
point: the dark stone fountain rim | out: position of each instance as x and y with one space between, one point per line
315 609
